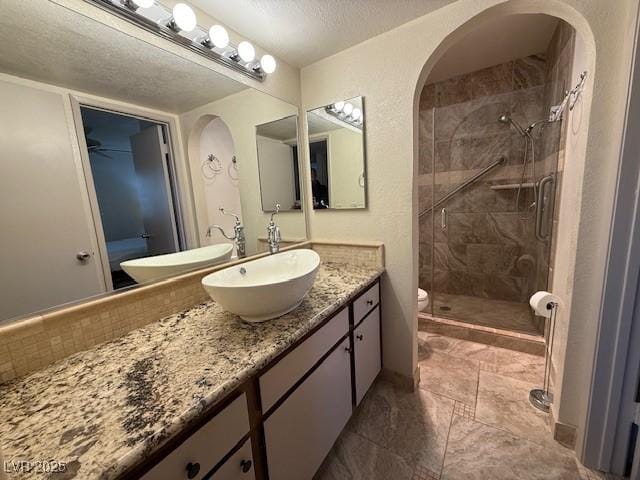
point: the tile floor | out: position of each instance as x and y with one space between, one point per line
470 419
487 312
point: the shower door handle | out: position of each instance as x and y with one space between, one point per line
443 219
541 207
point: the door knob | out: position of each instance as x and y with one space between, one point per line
369 302
145 235
360 337
246 465
193 469
83 256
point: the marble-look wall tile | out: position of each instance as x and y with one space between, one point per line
529 71
465 136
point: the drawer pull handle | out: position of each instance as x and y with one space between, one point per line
246 465
360 337
370 302
347 349
193 469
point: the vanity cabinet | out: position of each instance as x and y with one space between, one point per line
300 433
367 353
284 420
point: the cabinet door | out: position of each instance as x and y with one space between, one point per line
301 432
238 467
367 353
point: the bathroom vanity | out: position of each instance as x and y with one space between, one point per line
202 394
285 418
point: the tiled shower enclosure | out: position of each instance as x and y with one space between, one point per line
480 259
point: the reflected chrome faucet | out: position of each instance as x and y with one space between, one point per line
273 233
238 234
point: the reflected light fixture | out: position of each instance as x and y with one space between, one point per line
136 4
246 51
356 114
183 18
347 109
338 106
268 63
218 36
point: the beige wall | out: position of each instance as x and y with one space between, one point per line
241 112
389 71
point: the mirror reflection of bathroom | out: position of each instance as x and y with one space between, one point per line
490 165
277 145
337 155
132 174
131 178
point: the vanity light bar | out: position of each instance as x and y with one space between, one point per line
179 25
346 112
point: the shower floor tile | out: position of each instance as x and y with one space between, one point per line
486 312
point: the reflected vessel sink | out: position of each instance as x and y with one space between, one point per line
265 288
161 266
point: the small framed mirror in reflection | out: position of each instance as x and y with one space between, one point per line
277 144
336 134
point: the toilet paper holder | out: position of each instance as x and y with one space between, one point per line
541 398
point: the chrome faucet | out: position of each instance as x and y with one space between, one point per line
238 234
273 233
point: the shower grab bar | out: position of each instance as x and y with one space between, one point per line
541 207
468 182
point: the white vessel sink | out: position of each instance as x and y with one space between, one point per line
161 266
265 288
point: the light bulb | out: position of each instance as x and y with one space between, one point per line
246 51
338 106
142 3
348 109
268 63
219 36
184 17
356 113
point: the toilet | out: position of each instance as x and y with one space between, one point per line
423 300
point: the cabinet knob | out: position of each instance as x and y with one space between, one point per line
347 349
193 469
246 465
370 302
360 337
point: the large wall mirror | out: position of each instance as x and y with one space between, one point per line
277 144
122 165
336 135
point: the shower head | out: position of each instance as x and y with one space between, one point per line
506 119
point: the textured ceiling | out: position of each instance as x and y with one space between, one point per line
304 31
43 41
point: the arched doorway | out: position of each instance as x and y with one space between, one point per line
502 263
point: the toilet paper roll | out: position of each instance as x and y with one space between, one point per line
540 301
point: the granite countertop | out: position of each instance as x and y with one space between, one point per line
104 410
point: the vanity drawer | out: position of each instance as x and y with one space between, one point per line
238 467
206 447
366 302
284 374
